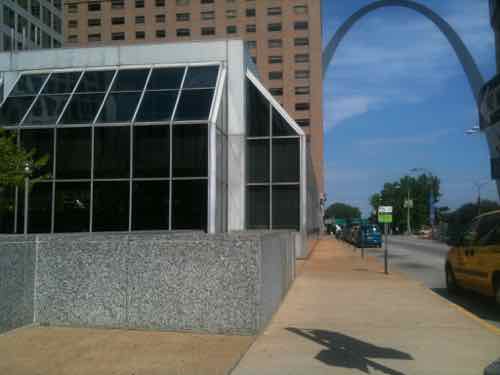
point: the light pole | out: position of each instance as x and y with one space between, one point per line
479 185
27 173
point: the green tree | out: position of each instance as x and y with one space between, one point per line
395 193
343 211
14 159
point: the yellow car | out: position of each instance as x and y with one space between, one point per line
474 262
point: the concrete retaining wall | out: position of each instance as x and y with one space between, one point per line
227 283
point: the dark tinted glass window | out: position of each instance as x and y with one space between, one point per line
119 107
7 208
190 151
257 112
286 160
61 83
258 160
201 77
112 152
73 153
286 208
280 126
151 151
42 141
39 208
72 207
257 207
82 109
189 200
194 105
157 106
150 205
111 208
166 78
14 109
130 80
95 81
46 110
29 84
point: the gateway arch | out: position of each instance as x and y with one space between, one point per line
474 77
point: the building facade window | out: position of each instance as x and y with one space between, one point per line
302 90
302 74
94 37
275 59
251 44
118 21
274 11
231 13
160 18
139 3
274 43
93 6
182 2
140 35
251 28
301 42
208 15
117 4
250 12
72 24
118 36
47 17
300 25
205 31
183 17
302 106
72 8
303 122
71 39
231 29
302 58
300 9
160 3
92 22
207 1
183 32
276 91
139 19
161 33
272 27
275 75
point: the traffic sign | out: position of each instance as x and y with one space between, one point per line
385 214
408 203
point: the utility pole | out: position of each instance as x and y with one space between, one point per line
479 185
408 224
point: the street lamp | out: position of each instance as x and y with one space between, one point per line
27 173
479 185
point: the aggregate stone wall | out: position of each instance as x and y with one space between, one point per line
227 283
17 270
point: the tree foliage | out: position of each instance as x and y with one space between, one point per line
14 159
395 193
343 211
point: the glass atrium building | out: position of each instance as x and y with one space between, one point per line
153 137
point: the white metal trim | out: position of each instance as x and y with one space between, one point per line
217 99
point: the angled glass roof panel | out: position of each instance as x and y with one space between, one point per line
82 108
14 109
130 80
257 112
28 84
201 76
61 83
119 107
95 81
194 105
281 126
166 78
46 110
157 106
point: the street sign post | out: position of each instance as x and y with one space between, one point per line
385 217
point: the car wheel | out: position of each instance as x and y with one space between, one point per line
451 282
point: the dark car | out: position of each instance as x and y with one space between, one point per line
369 236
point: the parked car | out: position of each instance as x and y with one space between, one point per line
369 236
473 262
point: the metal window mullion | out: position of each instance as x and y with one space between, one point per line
106 94
53 203
171 150
141 98
271 167
16 191
34 101
91 218
70 97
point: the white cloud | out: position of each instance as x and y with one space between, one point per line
421 139
346 107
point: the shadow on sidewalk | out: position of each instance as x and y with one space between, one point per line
481 306
349 352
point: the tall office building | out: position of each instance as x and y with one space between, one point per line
29 24
283 36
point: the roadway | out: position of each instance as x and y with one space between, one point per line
423 260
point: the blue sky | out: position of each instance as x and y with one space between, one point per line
396 98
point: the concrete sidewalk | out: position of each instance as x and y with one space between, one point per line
344 316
